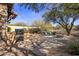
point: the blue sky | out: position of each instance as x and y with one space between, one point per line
28 16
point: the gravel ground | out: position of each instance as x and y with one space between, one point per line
38 45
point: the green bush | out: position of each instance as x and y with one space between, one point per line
53 33
73 48
35 30
76 28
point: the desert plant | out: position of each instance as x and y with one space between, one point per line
73 48
61 14
43 26
35 30
76 28
53 33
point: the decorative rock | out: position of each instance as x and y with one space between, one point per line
9 54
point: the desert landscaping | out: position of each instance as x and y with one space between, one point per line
41 38
39 45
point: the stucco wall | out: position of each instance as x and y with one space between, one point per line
17 27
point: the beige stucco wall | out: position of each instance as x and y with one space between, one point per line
18 27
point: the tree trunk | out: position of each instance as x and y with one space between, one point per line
68 31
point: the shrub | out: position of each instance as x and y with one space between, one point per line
76 28
53 33
73 48
35 30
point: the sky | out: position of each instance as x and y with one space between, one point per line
25 15
28 16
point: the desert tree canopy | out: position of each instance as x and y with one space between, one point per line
43 26
63 14
20 24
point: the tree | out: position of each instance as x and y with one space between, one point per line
63 14
33 6
6 14
20 24
43 26
59 13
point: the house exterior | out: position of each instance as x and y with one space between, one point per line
13 28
